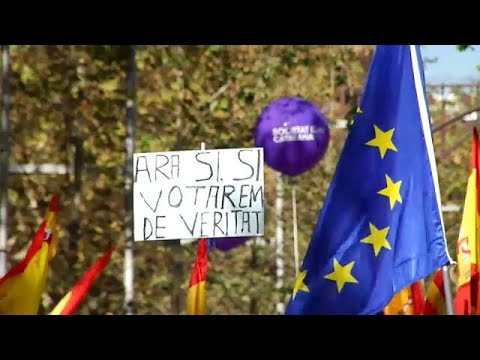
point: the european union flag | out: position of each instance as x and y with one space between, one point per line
381 228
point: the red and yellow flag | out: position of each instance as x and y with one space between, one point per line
196 299
51 228
466 297
408 301
74 297
22 287
435 300
51 219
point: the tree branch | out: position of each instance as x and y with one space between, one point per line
454 119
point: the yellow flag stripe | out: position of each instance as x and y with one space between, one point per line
22 294
397 305
61 304
196 300
466 246
435 297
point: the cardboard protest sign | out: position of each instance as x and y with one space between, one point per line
198 193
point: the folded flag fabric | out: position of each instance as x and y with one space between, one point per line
380 229
435 299
22 287
408 301
196 299
70 302
466 301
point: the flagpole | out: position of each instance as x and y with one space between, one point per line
427 129
295 227
279 252
447 290
4 157
129 300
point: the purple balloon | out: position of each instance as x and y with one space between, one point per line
226 244
294 135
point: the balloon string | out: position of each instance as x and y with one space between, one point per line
295 229
279 253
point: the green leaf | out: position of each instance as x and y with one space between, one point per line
465 47
109 85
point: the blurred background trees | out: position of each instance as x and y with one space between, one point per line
68 107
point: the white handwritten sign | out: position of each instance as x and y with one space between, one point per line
198 193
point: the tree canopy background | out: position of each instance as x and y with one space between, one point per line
65 95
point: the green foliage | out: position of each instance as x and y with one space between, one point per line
186 95
464 47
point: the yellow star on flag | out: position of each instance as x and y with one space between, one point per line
299 284
392 191
359 111
382 140
341 274
377 238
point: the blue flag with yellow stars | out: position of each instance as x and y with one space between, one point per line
380 228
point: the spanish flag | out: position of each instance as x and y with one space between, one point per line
435 300
196 292
74 297
51 227
408 301
466 297
22 287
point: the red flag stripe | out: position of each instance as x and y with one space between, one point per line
474 164
79 291
34 248
435 301
53 207
466 297
475 277
461 301
417 298
199 271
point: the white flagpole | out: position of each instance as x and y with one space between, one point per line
279 252
4 155
295 228
129 265
426 125
447 291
